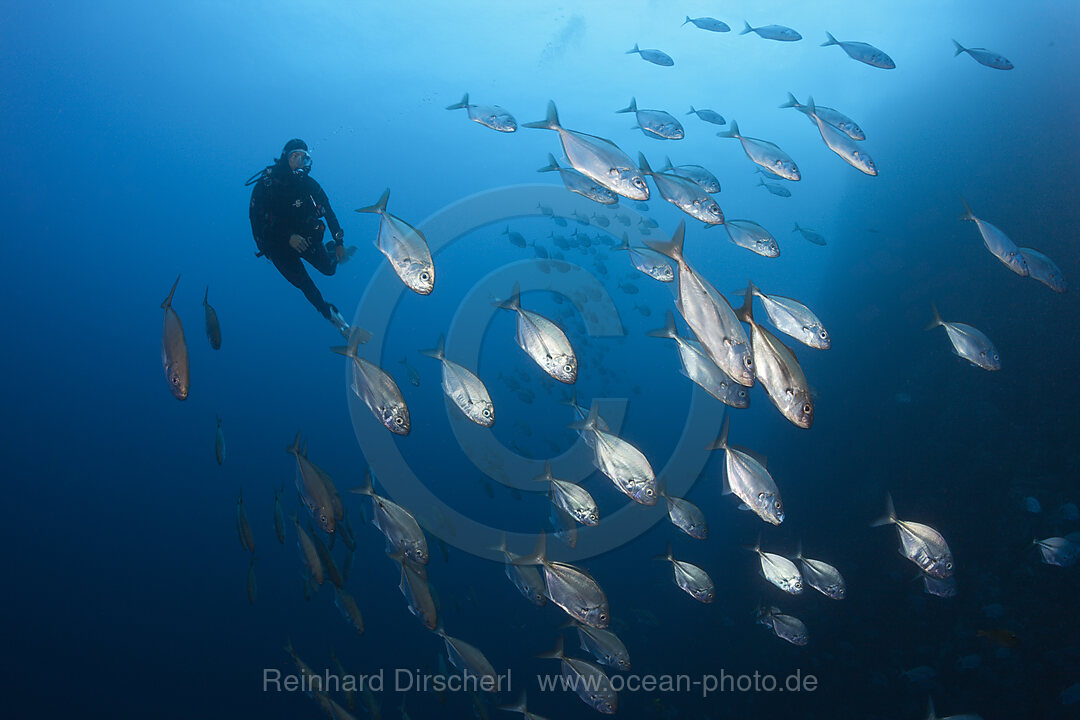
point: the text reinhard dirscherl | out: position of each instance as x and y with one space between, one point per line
413 680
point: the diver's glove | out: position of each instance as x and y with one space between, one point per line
339 250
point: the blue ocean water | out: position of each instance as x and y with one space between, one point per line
131 129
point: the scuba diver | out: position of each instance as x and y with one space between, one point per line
287 207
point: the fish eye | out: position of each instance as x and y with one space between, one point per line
487 413
638 182
649 492
399 420
568 368
748 361
948 566
742 393
823 334
807 408
424 276
603 616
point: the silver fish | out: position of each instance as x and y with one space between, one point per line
694 173
525 578
589 681
697 366
921 544
772 32
748 479
822 576
1044 270
543 341
580 183
968 343
709 315
863 52
810 235
655 123
708 23
794 319
786 627
656 57
571 588
491 116
774 188
709 116
778 370
571 498
621 462
213 325
603 645
346 605
998 243
414 587
405 247
243 529
378 390
309 553
402 532
686 516
765 154
463 387
748 234
311 486
779 571
832 117
841 144
219 443
694 581
648 261
467 658
174 353
413 373
1058 551
597 158
989 58
684 194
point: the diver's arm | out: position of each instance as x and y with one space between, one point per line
324 209
257 215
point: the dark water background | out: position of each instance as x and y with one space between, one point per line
129 131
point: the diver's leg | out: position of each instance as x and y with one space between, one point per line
320 257
292 269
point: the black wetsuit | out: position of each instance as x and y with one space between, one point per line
284 203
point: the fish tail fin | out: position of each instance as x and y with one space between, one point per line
968 215
635 49
731 132
666 556
590 422
811 108
294 449
721 442
760 182
959 48
692 111
550 122
557 653
756 547
514 302
518 707
935 320
367 487
889 518
667 165
502 547
798 550
830 41
796 228
538 555
167 302
668 331
439 351
632 107
552 165
674 248
458 106
931 714
791 102
625 244
546 475
746 311
746 28
686 20
206 297
643 164
379 207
